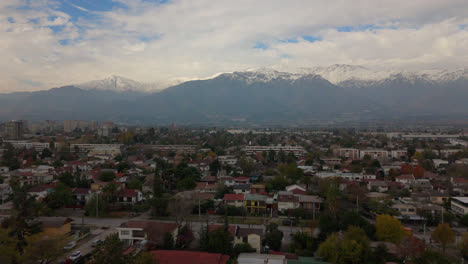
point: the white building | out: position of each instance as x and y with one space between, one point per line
459 205
296 150
378 154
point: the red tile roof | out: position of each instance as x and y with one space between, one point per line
460 180
192 257
242 179
233 197
40 188
128 193
405 177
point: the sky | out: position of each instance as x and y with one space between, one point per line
49 43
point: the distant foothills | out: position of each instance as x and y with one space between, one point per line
339 93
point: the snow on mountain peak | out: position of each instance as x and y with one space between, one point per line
118 84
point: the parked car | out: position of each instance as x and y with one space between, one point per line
76 255
70 245
96 242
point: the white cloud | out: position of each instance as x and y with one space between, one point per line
183 39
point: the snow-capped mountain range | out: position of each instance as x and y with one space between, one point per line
338 74
119 84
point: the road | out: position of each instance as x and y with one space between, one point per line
110 225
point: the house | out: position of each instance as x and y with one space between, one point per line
255 203
133 232
129 196
6 209
296 189
460 185
147 186
227 181
40 191
257 189
81 195
405 209
256 258
241 188
5 192
55 226
206 187
251 236
192 257
405 179
459 205
422 185
241 180
379 186
310 203
287 201
236 200
439 162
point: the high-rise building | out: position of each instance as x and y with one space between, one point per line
14 130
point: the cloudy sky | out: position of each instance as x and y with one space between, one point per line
47 43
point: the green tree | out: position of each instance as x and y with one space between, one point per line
186 184
204 237
107 176
168 241
246 165
135 183
243 248
389 229
444 235
144 257
110 251
352 247
330 248
67 178
220 241
46 153
303 244
273 237
96 204
22 214
110 191
60 196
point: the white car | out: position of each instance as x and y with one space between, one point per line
76 255
70 245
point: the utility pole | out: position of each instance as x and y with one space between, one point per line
97 204
357 203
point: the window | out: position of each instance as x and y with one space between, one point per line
124 232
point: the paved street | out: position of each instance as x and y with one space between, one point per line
110 225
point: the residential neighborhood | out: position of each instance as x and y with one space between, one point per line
207 195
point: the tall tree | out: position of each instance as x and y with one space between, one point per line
273 237
389 229
444 235
23 213
111 251
60 196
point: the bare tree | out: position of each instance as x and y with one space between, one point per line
180 208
